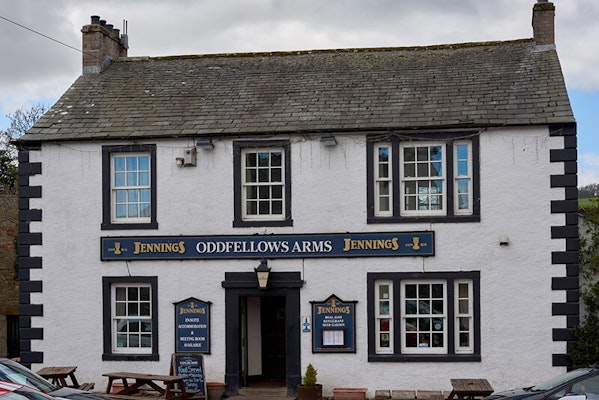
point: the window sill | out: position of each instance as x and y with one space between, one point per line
250 224
434 219
130 357
424 358
111 226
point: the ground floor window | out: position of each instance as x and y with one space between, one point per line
130 318
424 316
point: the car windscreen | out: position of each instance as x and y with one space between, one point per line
14 372
561 379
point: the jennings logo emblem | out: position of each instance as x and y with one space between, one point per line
117 248
415 243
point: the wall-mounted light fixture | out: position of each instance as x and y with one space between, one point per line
504 240
262 273
205 144
328 141
179 161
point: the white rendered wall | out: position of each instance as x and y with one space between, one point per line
328 196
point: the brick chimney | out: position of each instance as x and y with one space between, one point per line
543 24
101 44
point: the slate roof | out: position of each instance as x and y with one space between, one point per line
421 88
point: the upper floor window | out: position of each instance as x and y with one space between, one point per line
129 187
425 180
424 316
262 183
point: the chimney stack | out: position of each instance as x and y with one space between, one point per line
543 23
101 44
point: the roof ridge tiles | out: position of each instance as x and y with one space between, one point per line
451 46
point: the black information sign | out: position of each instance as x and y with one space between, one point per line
191 366
334 326
192 333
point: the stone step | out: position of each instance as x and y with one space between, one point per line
260 393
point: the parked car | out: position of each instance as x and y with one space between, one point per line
586 396
13 391
14 372
583 381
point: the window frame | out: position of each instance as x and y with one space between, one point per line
419 349
110 352
403 180
451 213
240 148
108 206
452 352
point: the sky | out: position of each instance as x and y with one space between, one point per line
40 40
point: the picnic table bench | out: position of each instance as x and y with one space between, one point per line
59 375
149 382
469 389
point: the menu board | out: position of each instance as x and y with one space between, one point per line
334 323
192 366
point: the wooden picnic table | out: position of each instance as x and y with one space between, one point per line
59 375
152 381
469 389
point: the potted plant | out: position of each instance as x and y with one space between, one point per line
309 389
215 390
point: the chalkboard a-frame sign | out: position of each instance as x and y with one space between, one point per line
192 366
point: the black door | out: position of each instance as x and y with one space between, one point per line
272 312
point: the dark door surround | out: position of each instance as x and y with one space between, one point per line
245 284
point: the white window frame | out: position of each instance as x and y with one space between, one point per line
378 180
245 185
115 319
468 315
403 180
380 314
457 177
114 189
404 316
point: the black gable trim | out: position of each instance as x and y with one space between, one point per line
569 207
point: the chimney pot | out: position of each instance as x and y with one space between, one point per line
101 44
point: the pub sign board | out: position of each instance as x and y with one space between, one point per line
192 366
333 326
371 244
192 330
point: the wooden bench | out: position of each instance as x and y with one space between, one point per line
87 386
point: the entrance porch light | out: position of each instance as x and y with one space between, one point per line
262 274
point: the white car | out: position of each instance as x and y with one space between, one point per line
12 371
14 391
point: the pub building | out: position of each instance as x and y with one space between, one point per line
381 213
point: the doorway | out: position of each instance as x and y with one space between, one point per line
263 340
262 331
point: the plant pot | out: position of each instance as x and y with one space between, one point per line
349 393
215 390
309 392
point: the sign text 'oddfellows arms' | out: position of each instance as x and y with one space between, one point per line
269 246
